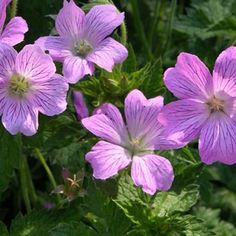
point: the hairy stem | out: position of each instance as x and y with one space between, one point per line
14 8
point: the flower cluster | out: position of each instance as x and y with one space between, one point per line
29 85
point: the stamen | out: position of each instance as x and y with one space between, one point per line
18 86
216 104
82 48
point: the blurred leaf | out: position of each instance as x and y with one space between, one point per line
9 157
3 230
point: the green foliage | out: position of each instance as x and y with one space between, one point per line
9 158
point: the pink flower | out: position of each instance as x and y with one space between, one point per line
206 109
134 143
80 105
83 40
28 85
14 31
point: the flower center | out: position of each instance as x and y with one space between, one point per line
215 104
18 86
135 145
82 48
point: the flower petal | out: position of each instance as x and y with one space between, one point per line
70 21
3 7
101 21
7 60
80 105
14 31
218 140
224 73
34 64
75 68
108 53
152 173
107 159
58 47
184 119
190 78
141 116
50 95
20 116
108 124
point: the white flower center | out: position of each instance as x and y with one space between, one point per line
216 104
136 146
18 86
82 48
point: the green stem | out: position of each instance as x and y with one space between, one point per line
14 8
140 29
32 192
48 171
123 34
170 24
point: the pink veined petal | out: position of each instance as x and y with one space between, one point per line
107 159
108 53
3 8
3 94
34 64
218 140
75 68
190 78
7 60
80 105
70 21
14 31
19 116
58 47
141 117
183 119
101 21
108 125
152 173
49 96
224 73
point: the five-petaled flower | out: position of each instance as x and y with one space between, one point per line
28 85
83 40
206 109
14 31
134 143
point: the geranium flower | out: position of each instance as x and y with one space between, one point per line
83 40
28 85
206 109
80 105
14 31
134 143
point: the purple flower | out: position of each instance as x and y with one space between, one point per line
134 143
83 40
28 85
206 109
14 31
80 105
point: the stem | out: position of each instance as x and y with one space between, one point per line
23 176
47 169
170 24
32 192
123 34
140 29
14 8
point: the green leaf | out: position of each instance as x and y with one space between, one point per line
204 22
73 229
169 203
3 230
9 157
40 222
